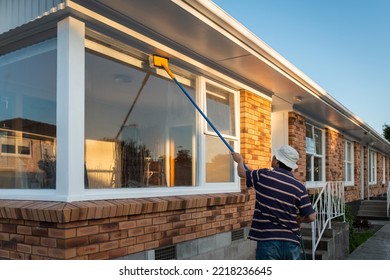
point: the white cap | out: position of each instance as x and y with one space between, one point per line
287 155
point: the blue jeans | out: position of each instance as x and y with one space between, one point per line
277 250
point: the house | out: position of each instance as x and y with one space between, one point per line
138 172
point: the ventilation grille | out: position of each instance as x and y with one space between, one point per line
166 253
237 234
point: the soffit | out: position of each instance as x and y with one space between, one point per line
214 40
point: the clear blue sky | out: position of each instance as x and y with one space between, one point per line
342 45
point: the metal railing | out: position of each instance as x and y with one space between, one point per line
329 205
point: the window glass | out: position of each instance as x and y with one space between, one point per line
220 109
348 163
372 167
314 154
221 112
219 166
28 117
139 128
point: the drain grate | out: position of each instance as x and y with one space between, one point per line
166 253
237 234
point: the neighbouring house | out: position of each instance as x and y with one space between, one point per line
103 157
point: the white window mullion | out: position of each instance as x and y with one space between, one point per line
70 109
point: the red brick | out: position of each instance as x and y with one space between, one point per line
144 238
4 236
84 231
39 250
159 220
152 245
61 254
48 242
61 233
136 232
116 253
98 238
127 225
87 250
4 254
24 248
127 242
108 245
33 240
144 222
24 230
109 227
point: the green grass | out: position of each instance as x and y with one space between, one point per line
357 238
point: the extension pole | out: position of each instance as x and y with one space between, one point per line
163 62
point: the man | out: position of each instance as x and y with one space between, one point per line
282 204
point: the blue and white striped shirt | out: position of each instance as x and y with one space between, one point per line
280 198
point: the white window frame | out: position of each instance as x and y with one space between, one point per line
314 184
372 167
206 132
349 163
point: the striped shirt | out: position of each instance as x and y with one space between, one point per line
280 198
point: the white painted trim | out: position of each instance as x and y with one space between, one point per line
279 132
70 108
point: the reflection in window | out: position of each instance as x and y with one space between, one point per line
28 117
314 154
139 128
219 166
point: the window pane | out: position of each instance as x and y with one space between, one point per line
348 172
219 166
28 117
220 109
308 168
140 128
318 141
317 169
309 140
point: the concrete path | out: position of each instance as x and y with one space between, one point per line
375 248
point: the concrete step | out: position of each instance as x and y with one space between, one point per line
324 244
319 255
373 209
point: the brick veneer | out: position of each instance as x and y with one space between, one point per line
334 151
109 229
255 130
297 140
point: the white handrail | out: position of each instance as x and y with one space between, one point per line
329 204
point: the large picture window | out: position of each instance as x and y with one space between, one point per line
314 154
139 128
28 117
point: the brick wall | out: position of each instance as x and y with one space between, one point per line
114 228
334 151
297 140
255 130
